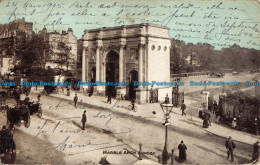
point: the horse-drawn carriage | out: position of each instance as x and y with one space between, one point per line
7 146
33 106
217 74
17 115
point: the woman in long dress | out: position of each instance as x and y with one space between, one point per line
182 152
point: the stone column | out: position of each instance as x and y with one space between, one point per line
140 64
140 91
84 65
97 64
121 63
121 90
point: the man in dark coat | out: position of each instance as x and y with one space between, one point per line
39 96
84 120
255 157
206 120
151 95
215 105
183 107
109 96
75 99
68 91
230 146
182 151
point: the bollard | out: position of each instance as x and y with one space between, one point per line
140 150
172 160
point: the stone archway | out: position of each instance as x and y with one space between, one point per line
112 71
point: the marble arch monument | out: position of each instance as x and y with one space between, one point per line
127 54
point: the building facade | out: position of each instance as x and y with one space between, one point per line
135 53
8 36
53 39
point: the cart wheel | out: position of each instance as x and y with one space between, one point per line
27 122
9 158
39 114
135 108
129 107
13 157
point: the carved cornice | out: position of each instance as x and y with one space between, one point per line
112 47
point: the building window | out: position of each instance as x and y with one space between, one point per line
165 48
53 39
159 48
153 47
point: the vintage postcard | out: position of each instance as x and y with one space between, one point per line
129 82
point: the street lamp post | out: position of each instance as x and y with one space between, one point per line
167 109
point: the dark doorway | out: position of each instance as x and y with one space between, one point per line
112 71
133 77
93 75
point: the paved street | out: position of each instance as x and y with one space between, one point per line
57 137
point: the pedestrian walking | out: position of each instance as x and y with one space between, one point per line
215 105
109 97
39 96
68 91
151 95
255 156
84 120
206 120
230 146
183 107
182 152
167 99
75 99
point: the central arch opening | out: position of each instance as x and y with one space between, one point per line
112 71
132 78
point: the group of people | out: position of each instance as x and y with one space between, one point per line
230 146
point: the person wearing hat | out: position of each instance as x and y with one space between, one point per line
84 120
75 99
230 146
255 157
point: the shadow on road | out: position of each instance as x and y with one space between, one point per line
33 150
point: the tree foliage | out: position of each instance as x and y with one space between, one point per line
29 52
190 57
64 55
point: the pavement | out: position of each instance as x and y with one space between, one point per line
153 112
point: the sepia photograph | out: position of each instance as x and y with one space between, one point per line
129 82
